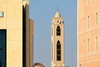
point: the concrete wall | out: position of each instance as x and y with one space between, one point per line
88 33
12 22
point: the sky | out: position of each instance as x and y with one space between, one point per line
42 12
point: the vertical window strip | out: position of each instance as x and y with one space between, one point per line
88 1
80 65
88 21
96 18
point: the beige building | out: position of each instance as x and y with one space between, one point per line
88 33
57 41
16 34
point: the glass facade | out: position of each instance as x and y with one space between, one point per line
2 48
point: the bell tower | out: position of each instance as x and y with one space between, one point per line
57 41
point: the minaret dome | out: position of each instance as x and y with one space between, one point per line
57 14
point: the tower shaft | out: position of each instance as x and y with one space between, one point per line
57 39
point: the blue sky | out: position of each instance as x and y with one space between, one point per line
42 11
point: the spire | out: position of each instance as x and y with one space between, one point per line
58 9
57 13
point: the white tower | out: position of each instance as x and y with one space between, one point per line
57 41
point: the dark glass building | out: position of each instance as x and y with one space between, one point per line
2 48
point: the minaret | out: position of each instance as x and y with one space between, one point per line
57 41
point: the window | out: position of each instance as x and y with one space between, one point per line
58 51
88 21
58 31
1 14
88 1
80 65
96 18
2 48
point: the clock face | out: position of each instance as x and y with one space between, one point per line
1 14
